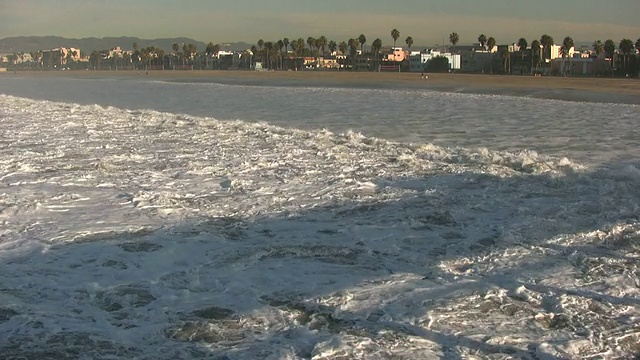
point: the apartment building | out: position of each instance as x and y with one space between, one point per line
418 60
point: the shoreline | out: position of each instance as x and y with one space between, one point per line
587 89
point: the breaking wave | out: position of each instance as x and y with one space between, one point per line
147 234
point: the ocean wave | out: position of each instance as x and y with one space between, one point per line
169 235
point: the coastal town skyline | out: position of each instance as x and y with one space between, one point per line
246 21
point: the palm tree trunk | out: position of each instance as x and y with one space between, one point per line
531 70
491 63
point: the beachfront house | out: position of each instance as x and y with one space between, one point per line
475 57
328 62
396 54
59 57
419 60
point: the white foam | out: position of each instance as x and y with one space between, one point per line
140 233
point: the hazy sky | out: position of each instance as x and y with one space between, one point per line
427 21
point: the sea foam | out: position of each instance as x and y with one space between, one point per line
150 234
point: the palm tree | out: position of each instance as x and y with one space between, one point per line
598 47
353 46
154 55
175 47
268 48
188 50
567 45
506 60
95 59
638 48
522 46
332 46
209 51
409 42
285 41
246 54
299 47
321 43
160 55
395 34
69 59
50 58
535 54
135 59
126 58
260 44
375 47
454 38
43 58
362 40
609 50
254 51
184 54
279 45
12 58
39 56
342 47
546 41
59 57
626 45
311 41
293 47
183 58
564 53
116 57
491 43
482 39
34 57
316 44
144 56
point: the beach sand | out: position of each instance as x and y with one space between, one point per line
591 89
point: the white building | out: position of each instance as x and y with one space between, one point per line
555 52
418 60
223 53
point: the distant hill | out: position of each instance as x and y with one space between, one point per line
87 45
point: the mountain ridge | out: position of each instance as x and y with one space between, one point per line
88 44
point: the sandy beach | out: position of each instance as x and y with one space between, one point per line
611 90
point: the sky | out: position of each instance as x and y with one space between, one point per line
428 22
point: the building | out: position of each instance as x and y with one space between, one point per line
396 54
328 62
67 54
582 64
475 57
418 60
60 56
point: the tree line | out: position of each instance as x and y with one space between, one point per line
273 53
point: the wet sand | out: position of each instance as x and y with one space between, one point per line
591 89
